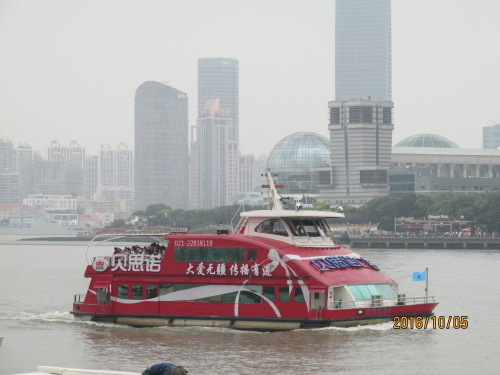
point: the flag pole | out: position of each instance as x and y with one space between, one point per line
426 283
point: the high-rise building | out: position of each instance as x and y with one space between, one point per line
24 166
491 136
246 172
259 171
115 167
218 78
161 146
363 49
91 173
9 179
7 158
360 143
74 153
214 158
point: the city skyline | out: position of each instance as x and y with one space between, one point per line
437 63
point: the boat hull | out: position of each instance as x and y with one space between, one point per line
351 318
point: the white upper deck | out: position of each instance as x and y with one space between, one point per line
291 214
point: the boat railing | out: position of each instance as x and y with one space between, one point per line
79 298
374 303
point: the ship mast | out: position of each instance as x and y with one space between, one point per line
277 200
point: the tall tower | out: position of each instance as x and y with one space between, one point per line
161 146
218 78
214 158
363 49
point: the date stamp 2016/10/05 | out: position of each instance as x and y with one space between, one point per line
441 322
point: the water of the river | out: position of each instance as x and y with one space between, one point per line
38 281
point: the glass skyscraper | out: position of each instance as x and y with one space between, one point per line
161 146
363 50
218 78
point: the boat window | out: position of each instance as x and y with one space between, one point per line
269 293
244 297
166 289
299 295
249 297
209 254
291 227
272 226
373 291
136 291
151 291
284 294
386 291
365 292
252 255
298 229
310 227
179 287
122 291
356 293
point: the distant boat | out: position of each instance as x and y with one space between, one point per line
39 224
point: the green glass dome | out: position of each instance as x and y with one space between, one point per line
427 140
300 152
294 160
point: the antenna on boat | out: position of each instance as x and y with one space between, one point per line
277 200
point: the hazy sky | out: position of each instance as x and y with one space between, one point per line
69 69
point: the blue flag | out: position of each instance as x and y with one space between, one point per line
419 276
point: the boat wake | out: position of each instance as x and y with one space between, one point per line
373 327
48 317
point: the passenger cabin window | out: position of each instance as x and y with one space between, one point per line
209 254
269 293
123 291
299 295
252 255
365 292
186 292
272 226
136 291
151 291
307 227
284 294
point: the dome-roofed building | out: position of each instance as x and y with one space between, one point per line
295 158
427 140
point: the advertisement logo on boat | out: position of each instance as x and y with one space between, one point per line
100 264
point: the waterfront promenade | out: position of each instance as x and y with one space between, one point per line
423 242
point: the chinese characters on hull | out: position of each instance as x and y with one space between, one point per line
336 262
136 263
222 269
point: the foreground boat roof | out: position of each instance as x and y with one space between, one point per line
290 213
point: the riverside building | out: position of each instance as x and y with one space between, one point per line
161 146
428 164
360 144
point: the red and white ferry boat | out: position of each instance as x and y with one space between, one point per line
278 270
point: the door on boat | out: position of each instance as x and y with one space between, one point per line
317 299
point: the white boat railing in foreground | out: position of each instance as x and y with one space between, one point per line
75 371
368 304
